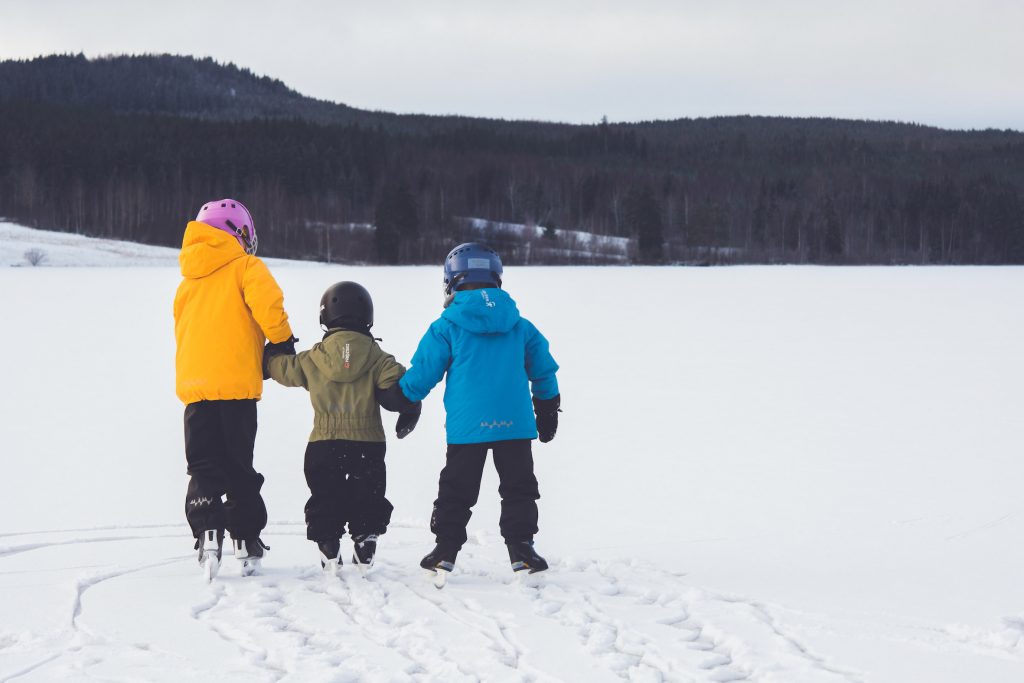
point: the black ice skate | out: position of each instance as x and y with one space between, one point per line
330 556
363 549
250 552
439 563
210 546
524 558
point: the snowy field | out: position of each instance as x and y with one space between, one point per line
62 249
764 474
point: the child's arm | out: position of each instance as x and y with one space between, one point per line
387 372
265 301
390 397
429 363
287 369
540 365
541 368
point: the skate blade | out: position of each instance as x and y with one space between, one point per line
530 578
211 565
438 576
250 565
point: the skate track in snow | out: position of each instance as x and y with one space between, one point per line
125 604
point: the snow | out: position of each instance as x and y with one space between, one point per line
69 249
66 249
766 474
565 243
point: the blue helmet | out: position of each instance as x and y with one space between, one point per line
468 263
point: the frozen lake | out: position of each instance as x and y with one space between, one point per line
766 474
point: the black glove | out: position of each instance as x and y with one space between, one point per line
407 420
395 400
285 348
547 410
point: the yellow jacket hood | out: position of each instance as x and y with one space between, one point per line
206 249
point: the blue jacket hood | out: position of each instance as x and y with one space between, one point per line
483 311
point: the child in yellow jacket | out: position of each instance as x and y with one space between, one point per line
226 306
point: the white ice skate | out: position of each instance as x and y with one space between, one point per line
364 549
249 554
210 546
439 563
330 557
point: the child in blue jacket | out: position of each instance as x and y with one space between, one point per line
493 358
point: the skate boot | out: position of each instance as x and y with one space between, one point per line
210 546
439 563
330 556
363 549
524 558
250 553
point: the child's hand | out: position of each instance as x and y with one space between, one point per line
547 410
407 420
287 347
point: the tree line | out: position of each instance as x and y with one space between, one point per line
388 190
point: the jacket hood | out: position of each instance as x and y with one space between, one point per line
345 356
205 249
483 311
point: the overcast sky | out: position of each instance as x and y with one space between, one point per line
951 64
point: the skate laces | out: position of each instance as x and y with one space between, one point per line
368 538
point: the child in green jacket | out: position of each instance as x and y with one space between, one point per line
346 375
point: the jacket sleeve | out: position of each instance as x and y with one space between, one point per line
429 363
287 369
388 392
265 300
540 365
388 371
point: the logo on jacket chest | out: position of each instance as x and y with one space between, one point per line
346 356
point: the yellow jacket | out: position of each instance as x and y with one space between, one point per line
226 307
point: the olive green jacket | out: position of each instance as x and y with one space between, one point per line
341 373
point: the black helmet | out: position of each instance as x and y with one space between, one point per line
348 305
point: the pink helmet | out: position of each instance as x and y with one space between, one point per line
230 215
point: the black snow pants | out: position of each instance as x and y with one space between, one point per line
219 440
347 481
459 488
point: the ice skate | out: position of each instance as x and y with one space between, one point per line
439 563
524 558
330 556
249 553
363 551
210 546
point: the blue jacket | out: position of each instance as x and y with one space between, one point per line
492 356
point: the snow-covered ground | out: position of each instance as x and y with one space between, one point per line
764 474
65 249
68 249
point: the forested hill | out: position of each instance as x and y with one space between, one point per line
186 86
130 146
165 84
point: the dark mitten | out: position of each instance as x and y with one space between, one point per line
285 348
407 420
547 410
